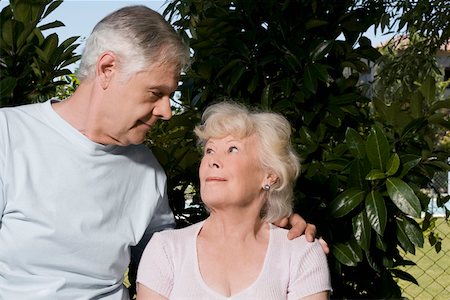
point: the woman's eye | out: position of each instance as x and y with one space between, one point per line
208 151
233 149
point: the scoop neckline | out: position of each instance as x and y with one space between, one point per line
199 276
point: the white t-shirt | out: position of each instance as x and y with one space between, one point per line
70 208
292 268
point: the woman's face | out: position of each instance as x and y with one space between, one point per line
231 174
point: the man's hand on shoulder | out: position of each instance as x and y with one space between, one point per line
297 226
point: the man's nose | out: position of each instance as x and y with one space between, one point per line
163 110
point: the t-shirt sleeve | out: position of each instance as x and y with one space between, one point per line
2 165
162 219
156 270
162 216
2 198
309 272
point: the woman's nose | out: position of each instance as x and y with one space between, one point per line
214 162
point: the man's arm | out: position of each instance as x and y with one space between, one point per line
2 200
162 219
2 169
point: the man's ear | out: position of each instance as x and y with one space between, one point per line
105 68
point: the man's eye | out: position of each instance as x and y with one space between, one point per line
233 149
156 94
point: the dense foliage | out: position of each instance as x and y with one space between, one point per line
366 161
32 65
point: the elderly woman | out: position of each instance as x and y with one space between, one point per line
247 175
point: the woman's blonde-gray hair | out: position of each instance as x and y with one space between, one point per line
139 36
275 154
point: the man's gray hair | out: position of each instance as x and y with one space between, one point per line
139 37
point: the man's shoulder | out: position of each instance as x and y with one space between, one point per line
18 113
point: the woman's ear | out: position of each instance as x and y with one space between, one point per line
271 178
105 67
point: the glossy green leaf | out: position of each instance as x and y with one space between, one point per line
7 85
364 41
416 105
355 143
440 118
376 211
49 47
375 174
253 84
71 60
266 97
393 164
408 162
438 246
235 78
52 7
313 23
428 89
23 36
443 165
388 262
346 254
310 78
377 148
403 196
373 264
8 33
403 239
404 275
51 25
380 243
321 50
229 66
439 105
22 11
413 231
69 42
346 202
344 99
362 230
321 71
308 139
356 178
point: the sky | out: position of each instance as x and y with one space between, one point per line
80 17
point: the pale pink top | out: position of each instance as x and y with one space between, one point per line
292 268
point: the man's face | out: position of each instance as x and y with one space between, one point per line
133 106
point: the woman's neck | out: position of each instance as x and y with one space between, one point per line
232 226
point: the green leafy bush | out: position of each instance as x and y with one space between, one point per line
365 161
32 65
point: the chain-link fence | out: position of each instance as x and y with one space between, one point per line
432 269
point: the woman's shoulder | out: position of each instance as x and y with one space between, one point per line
296 245
179 234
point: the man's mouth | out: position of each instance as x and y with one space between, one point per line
145 123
